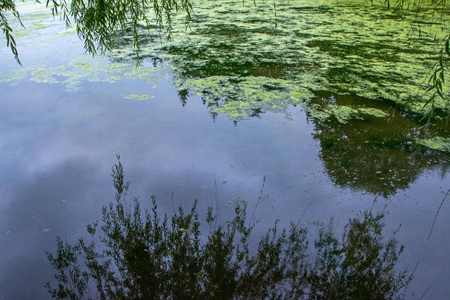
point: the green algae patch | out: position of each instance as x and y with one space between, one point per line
243 97
138 97
43 76
84 68
52 54
374 112
350 47
343 113
235 110
13 78
96 70
437 143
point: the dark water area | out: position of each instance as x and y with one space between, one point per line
217 137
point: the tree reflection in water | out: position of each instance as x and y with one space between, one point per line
136 254
375 155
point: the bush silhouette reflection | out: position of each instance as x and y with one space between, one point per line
136 254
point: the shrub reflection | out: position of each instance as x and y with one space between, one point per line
137 254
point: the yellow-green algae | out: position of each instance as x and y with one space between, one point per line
237 96
243 58
61 58
85 68
344 113
346 47
138 97
437 143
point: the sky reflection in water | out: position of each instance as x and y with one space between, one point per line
58 151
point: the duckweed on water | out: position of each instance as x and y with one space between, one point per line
343 113
437 143
84 68
345 48
138 97
350 47
244 58
241 97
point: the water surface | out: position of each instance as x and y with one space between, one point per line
211 127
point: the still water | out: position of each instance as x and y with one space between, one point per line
187 131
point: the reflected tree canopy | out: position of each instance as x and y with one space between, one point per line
367 153
136 254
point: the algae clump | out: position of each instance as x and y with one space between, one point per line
137 97
437 143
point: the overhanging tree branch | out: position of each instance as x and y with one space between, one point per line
96 21
9 6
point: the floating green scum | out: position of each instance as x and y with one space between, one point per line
246 58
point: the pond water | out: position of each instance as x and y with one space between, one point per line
275 102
